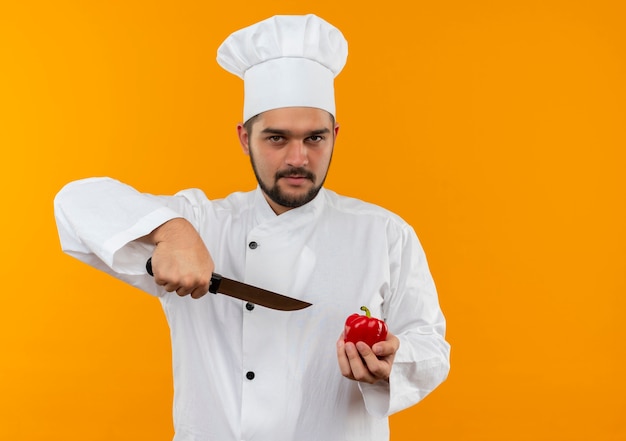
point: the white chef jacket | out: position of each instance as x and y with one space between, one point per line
245 372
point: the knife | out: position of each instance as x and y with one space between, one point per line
249 293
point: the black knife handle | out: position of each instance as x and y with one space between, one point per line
216 279
149 266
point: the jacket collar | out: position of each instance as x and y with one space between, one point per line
292 218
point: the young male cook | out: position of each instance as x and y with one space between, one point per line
246 372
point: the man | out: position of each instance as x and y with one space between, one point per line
245 372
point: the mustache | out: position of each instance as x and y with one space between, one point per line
295 171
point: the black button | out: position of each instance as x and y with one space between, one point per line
249 306
250 375
253 245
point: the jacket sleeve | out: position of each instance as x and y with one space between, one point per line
413 314
99 220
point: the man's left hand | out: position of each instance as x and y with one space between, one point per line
361 363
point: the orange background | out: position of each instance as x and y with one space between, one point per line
496 128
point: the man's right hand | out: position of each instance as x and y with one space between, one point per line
181 262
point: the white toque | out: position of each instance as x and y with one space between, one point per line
286 61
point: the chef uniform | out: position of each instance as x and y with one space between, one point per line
242 371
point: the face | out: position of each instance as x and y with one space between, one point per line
290 150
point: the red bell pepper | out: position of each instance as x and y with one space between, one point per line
364 328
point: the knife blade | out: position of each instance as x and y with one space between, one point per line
249 293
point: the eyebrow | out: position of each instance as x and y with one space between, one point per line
273 131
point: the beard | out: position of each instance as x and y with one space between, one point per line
280 197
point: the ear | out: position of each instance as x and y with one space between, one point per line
244 140
336 130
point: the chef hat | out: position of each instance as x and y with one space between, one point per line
285 61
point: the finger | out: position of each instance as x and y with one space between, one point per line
342 359
160 281
384 349
387 347
201 287
365 351
182 291
170 286
360 371
370 359
199 292
379 368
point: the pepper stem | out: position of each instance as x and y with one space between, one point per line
367 311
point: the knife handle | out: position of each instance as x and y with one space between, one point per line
216 279
149 266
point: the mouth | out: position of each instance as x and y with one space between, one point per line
296 176
296 180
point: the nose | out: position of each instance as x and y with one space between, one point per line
296 155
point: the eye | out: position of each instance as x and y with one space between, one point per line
275 138
316 138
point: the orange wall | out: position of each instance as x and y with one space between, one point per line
496 128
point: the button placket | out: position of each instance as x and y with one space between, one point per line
266 249
253 246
